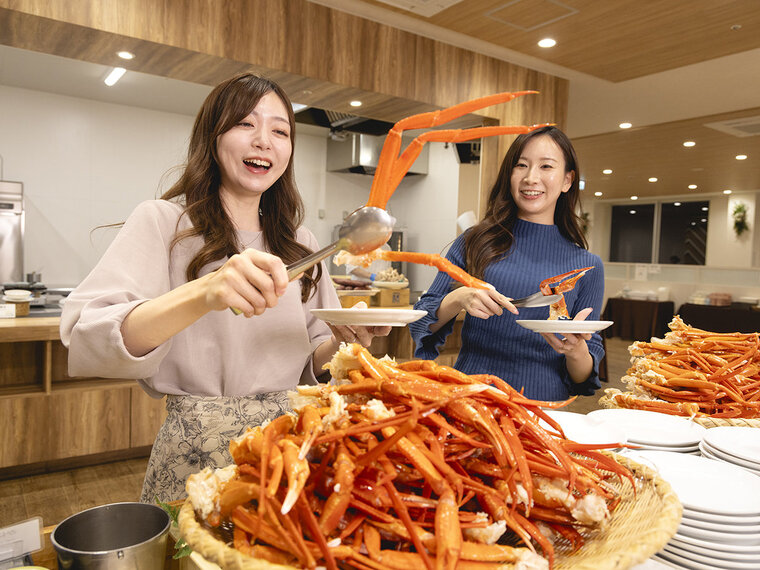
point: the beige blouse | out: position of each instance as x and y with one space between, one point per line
221 354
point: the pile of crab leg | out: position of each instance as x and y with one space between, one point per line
394 465
392 167
693 372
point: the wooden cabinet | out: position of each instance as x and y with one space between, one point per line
399 345
46 415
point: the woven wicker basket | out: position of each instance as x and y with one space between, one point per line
641 525
706 421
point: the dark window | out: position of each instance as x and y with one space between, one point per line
632 231
683 232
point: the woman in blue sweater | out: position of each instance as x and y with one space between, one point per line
530 232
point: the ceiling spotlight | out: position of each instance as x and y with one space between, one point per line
726 191
692 186
705 208
741 157
625 125
676 203
689 143
114 76
631 211
355 103
597 194
653 179
126 55
547 43
607 171
703 220
634 197
581 184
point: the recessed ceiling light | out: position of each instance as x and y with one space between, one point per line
355 103
547 43
705 208
694 223
689 143
114 76
126 55
607 171
653 179
726 191
692 186
581 184
703 220
597 193
625 125
634 197
741 157
631 211
676 203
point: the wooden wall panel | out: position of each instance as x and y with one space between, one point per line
64 424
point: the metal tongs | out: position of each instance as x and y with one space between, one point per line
535 300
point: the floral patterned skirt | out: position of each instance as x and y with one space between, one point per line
197 433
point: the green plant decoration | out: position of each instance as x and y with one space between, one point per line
739 214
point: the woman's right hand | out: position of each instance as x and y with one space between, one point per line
251 281
481 303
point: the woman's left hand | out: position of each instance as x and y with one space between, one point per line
570 344
355 333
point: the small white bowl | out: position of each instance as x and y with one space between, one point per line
17 295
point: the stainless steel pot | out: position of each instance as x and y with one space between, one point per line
118 536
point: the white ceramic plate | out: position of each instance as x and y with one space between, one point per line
720 526
750 539
724 549
564 326
725 519
674 449
742 442
709 559
718 455
583 429
357 292
653 428
391 284
17 295
369 317
679 562
706 485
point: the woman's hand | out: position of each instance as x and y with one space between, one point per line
355 333
570 344
481 303
252 282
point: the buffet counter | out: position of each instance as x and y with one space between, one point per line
48 416
637 320
731 318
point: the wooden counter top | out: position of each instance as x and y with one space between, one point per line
29 329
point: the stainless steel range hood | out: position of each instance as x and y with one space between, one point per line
359 153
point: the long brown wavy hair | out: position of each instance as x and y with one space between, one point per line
281 206
490 239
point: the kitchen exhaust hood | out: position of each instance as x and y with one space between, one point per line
355 142
359 154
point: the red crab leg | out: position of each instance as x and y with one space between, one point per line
437 261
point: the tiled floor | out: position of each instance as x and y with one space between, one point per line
55 496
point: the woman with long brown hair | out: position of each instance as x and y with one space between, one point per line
157 305
531 231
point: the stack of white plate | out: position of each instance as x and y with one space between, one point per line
584 429
654 431
720 527
733 444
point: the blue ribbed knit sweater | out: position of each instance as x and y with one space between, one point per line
500 346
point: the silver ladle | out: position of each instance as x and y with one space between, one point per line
363 230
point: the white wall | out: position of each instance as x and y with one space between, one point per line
86 163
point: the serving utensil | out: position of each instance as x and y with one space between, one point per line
537 299
364 230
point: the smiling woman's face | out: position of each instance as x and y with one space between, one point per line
538 178
254 153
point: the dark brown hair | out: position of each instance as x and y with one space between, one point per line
281 206
492 237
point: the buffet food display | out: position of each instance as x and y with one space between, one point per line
693 372
393 465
